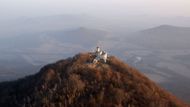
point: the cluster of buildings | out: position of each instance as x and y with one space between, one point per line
100 55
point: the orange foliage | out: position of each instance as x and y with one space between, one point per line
76 82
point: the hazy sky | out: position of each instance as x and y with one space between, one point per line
17 8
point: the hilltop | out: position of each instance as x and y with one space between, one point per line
78 82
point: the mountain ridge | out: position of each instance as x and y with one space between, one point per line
163 37
166 26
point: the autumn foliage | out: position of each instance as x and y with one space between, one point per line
76 82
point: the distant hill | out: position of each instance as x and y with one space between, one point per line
164 37
167 28
77 82
81 36
78 36
23 25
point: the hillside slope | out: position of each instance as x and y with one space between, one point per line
163 37
76 82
